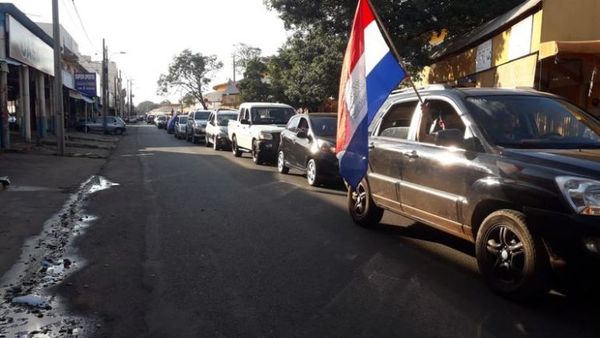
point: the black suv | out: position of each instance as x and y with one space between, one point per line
516 172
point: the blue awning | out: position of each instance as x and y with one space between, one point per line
77 95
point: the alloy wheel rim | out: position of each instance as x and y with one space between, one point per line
359 196
311 172
506 252
280 161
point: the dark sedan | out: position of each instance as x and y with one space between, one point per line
308 144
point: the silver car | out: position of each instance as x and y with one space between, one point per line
196 125
180 126
114 125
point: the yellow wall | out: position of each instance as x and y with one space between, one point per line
571 20
457 66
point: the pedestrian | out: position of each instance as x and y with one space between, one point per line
595 107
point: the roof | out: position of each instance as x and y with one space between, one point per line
322 115
470 92
264 104
487 30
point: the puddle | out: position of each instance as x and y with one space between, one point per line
27 306
15 188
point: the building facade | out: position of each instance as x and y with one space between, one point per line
548 45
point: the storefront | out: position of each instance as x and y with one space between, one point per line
548 45
28 67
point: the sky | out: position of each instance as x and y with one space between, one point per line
152 32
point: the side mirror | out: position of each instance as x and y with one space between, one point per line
244 121
302 133
450 138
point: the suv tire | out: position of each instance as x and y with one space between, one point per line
512 260
257 158
312 173
234 148
281 167
364 212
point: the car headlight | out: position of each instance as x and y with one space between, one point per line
582 194
325 146
265 136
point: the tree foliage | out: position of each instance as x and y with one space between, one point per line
189 73
243 54
409 22
146 106
255 84
307 68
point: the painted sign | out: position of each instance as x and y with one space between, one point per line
483 59
86 83
26 47
519 43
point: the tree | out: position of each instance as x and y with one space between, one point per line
191 73
146 106
254 86
243 54
307 68
410 22
165 102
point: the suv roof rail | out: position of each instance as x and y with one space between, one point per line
434 86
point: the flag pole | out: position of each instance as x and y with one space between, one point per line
393 48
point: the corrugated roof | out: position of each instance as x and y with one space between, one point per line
486 31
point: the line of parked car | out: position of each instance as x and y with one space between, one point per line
515 172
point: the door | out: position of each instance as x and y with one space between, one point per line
287 137
434 186
244 139
299 146
387 145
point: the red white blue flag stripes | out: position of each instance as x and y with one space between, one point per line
369 73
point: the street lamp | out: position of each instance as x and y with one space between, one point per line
105 100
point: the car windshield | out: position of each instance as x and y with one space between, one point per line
223 118
324 126
182 119
162 118
271 115
201 115
520 121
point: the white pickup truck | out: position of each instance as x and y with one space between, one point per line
258 128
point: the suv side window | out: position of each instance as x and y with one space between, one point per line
293 123
438 115
396 122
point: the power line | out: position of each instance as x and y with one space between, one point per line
87 36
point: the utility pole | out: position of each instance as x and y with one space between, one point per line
234 68
58 100
130 97
116 96
104 86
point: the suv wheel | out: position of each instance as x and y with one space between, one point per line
312 175
362 209
234 148
215 145
281 167
256 156
119 131
512 260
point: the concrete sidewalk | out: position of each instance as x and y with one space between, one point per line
78 144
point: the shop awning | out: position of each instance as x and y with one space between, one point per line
79 96
11 62
552 48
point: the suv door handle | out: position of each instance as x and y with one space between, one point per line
371 145
411 154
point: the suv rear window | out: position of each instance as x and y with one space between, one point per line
522 121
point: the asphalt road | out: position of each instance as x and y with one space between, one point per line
197 243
